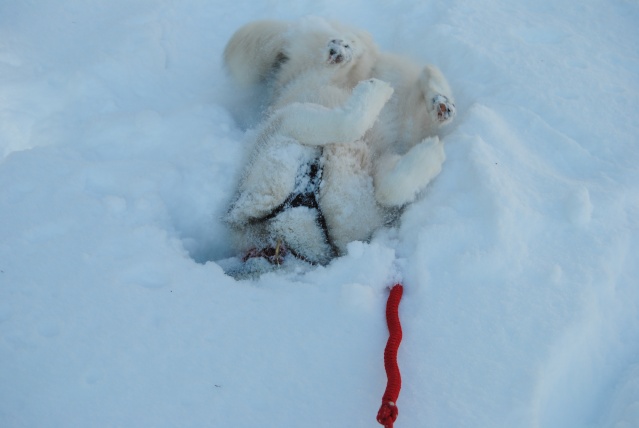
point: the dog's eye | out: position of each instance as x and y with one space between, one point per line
347 46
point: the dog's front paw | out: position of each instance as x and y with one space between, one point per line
339 52
444 109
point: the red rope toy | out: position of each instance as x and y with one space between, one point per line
387 413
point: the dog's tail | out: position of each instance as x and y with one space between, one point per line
256 51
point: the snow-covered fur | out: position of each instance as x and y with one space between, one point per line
407 150
365 182
403 154
310 75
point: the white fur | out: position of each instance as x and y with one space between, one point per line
252 53
286 141
409 155
312 106
398 179
297 227
374 163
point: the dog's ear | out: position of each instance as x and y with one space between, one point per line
256 51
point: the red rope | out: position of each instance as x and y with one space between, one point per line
387 413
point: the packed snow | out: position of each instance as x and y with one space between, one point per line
121 144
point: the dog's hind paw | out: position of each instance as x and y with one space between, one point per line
339 52
444 109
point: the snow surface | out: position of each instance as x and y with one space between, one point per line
120 149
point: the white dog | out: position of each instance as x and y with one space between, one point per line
310 69
364 177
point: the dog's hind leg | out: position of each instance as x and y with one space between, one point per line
398 179
437 91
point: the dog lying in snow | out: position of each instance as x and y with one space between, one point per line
311 69
327 168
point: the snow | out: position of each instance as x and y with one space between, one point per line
121 142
